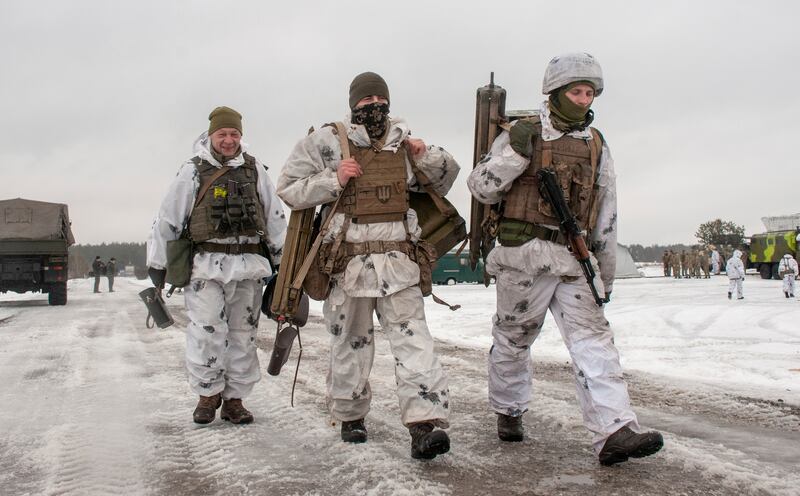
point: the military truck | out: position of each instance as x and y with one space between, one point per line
767 249
34 241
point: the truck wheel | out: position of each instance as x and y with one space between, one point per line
775 272
58 294
765 271
451 281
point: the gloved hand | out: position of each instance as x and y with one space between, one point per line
607 298
157 276
522 138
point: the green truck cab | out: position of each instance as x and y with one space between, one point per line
34 240
767 249
451 269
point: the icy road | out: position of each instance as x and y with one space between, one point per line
92 402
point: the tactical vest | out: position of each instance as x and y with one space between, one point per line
380 194
575 162
231 206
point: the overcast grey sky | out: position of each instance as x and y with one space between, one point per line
102 100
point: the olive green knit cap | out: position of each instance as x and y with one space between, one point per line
222 117
366 84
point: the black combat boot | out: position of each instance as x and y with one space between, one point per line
354 431
786 293
729 295
509 428
625 443
426 443
207 409
234 412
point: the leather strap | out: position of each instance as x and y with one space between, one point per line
344 144
204 188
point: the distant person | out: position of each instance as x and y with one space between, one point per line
98 267
787 268
715 265
735 270
536 272
675 260
665 261
704 263
111 271
224 200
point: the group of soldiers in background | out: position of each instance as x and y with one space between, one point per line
697 262
99 268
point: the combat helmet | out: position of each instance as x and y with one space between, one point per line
571 67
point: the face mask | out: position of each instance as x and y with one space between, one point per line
374 117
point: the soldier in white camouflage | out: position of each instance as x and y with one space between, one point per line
368 245
536 272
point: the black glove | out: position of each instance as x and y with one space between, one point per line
157 276
607 298
522 138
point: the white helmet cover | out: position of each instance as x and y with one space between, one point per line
572 67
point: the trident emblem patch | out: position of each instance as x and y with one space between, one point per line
384 193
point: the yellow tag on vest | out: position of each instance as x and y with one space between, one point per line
220 192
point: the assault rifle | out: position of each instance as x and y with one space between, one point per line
568 224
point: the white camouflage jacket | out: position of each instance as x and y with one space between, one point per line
176 208
309 178
491 180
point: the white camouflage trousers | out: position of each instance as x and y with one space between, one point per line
220 339
736 285
422 387
522 302
788 284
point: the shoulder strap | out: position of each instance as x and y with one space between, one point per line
205 186
323 230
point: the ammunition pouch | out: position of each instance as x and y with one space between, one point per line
179 262
422 253
442 227
512 232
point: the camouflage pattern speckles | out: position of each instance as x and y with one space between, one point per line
369 265
204 385
526 284
405 330
198 285
543 270
489 177
209 329
431 396
252 317
335 329
174 229
611 224
514 412
583 380
510 318
211 361
359 342
326 152
577 297
222 315
521 306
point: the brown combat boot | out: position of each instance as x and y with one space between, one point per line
207 409
426 442
234 412
510 428
625 444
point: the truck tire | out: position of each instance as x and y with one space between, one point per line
775 274
451 281
58 294
765 270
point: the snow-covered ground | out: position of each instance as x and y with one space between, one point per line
95 403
